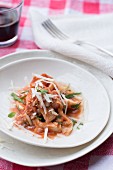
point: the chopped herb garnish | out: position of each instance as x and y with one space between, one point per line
60 123
18 107
74 122
12 114
40 118
58 117
81 124
38 90
26 91
70 96
22 97
15 97
43 91
75 106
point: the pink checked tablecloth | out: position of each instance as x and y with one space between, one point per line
102 157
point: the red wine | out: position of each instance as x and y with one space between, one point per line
8 24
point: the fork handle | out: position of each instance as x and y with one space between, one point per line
93 45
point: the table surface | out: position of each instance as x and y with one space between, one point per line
102 157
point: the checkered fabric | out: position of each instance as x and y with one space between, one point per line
51 7
100 158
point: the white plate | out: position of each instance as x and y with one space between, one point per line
28 155
97 110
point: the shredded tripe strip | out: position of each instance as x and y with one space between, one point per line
44 78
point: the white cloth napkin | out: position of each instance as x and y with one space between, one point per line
95 29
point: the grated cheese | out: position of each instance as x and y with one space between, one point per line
66 100
45 134
38 83
47 98
34 114
12 84
55 89
20 107
33 92
53 112
12 87
28 119
58 93
39 96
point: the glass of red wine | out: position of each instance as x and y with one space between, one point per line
10 12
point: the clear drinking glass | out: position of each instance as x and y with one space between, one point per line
10 12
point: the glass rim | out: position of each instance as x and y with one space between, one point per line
11 9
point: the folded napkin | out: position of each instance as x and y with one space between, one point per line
95 29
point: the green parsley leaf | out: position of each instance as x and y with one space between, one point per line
40 118
60 123
26 91
75 106
81 123
12 114
74 122
23 97
78 128
15 97
70 96
58 117
43 91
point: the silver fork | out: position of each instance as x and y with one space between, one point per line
51 28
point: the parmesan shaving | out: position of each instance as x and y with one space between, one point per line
47 98
33 92
20 107
12 87
45 134
52 95
66 100
9 127
53 112
28 119
34 114
38 83
5 122
58 93
39 96
12 84
56 90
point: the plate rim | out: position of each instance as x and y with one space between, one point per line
88 149
74 66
